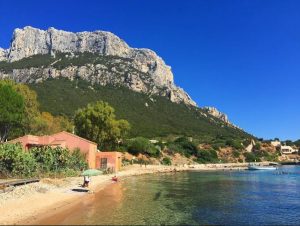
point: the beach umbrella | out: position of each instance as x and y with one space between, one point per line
91 172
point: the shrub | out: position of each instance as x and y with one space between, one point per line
14 161
24 164
184 146
257 146
207 156
58 159
271 158
174 148
142 145
234 143
77 160
251 157
217 146
166 161
236 153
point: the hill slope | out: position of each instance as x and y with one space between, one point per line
153 116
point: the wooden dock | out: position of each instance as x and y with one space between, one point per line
8 185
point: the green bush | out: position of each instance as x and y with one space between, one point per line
271 158
174 148
166 161
257 146
234 143
219 145
58 159
297 143
251 157
207 156
14 161
77 160
183 146
236 153
142 145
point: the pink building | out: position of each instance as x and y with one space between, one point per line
94 158
112 160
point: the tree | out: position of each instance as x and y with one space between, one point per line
142 145
36 122
205 156
234 143
297 143
185 146
288 142
11 110
166 161
31 106
46 123
251 157
97 122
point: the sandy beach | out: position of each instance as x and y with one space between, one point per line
31 203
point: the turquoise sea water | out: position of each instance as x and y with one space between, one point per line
225 197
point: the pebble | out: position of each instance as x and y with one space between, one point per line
24 190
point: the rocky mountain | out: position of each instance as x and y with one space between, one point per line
3 54
216 113
98 57
220 115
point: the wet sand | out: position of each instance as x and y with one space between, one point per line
108 197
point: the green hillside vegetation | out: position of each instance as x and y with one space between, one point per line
160 119
63 60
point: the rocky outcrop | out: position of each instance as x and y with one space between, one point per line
31 41
214 112
151 74
119 75
3 54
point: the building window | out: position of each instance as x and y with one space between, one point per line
103 163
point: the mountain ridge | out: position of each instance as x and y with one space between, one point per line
99 57
29 42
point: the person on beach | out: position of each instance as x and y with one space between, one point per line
114 178
86 181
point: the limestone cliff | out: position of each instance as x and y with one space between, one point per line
3 54
214 112
141 70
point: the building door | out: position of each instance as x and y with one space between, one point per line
103 163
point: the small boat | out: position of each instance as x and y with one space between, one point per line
258 167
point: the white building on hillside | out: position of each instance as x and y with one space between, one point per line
288 150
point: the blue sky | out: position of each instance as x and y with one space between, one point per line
242 57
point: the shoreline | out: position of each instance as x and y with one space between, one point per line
42 203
